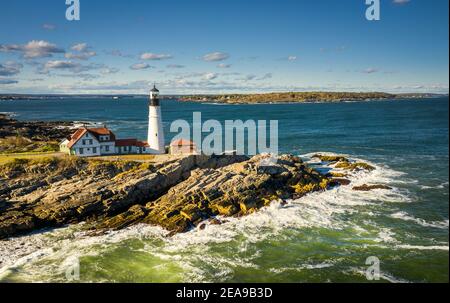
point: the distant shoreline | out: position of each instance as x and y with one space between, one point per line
230 99
302 97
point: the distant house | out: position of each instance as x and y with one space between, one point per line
87 142
182 146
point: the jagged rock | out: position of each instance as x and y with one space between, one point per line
177 194
55 192
331 159
336 175
343 163
366 187
233 190
347 165
341 181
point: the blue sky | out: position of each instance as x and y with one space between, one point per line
206 46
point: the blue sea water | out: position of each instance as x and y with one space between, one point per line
325 237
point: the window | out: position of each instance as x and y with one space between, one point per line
83 142
94 150
91 142
81 151
107 148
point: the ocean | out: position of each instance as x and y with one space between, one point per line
323 237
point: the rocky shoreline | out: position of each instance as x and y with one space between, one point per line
178 194
31 136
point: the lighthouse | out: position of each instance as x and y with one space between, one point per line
155 136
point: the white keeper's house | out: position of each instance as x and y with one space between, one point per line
87 142
100 141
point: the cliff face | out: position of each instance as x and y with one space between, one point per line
177 194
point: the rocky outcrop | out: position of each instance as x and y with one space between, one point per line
343 163
366 187
25 136
177 193
35 130
55 192
233 190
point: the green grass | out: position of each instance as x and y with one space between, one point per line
7 158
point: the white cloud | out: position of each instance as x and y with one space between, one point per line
109 70
48 26
216 56
81 56
33 49
118 53
370 70
175 66
151 56
210 76
57 64
82 52
252 77
140 66
10 68
70 66
8 81
292 58
223 65
80 47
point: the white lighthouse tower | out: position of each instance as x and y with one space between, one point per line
155 136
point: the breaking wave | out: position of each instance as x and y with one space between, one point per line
406 217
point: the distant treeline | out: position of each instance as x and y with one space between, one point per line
300 97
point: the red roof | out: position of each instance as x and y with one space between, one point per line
76 136
182 142
126 142
142 144
102 131
96 132
131 142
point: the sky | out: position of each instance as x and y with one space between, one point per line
232 46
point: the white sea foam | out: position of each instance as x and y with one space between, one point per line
62 244
440 186
383 275
302 267
407 217
10 114
422 247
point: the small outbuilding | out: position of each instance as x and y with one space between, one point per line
182 147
